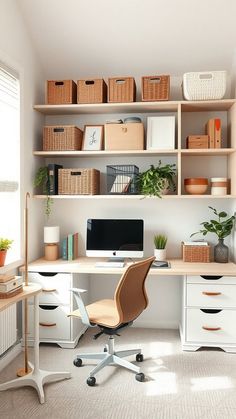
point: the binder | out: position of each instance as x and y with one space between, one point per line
210 130
70 247
64 249
53 178
217 133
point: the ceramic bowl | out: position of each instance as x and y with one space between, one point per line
196 186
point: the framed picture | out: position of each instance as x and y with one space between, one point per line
93 137
161 133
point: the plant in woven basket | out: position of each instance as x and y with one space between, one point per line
5 244
42 180
157 180
222 227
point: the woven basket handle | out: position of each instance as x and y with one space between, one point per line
59 83
120 81
88 82
75 173
154 80
58 130
205 76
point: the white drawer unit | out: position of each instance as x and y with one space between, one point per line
208 312
55 303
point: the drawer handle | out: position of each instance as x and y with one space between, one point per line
47 324
211 293
211 329
49 289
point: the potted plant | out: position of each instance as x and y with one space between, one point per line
5 244
160 241
157 180
222 227
42 180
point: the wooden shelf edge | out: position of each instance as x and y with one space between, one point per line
135 197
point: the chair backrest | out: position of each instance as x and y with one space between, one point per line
130 295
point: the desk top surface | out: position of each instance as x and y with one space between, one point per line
87 265
29 291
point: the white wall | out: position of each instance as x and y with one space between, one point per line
17 51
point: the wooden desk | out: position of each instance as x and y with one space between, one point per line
37 378
178 267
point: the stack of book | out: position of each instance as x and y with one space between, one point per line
10 285
69 248
213 129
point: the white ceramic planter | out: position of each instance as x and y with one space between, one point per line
160 254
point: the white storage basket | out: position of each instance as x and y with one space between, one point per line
206 85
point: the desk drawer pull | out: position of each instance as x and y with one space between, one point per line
49 289
211 329
211 293
47 324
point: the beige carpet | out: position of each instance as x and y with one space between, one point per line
179 385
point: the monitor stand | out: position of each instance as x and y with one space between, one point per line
116 259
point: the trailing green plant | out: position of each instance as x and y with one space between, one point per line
42 180
5 244
156 179
222 226
160 241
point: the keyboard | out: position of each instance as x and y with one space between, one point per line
109 264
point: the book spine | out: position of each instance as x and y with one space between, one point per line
64 249
75 246
217 133
53 178
210 130
70 246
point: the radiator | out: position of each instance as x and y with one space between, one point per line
8 328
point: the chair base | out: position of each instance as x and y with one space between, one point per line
110 356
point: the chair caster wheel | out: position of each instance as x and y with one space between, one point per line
140 377
91 381
139 358
77 362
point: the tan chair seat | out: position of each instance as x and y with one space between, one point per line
103 312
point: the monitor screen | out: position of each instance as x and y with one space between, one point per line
114 238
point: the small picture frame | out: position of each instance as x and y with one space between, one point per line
93 137
161 133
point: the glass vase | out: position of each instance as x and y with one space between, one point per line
221 252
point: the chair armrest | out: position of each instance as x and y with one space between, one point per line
84 314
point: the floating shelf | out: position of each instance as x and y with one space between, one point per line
135 197
104 153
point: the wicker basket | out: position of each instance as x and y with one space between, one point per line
61 92
204 86
155 88
91 91
121 89
62 137
196 253
78 182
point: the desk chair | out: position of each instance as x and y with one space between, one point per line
111 316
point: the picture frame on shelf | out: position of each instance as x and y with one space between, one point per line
93 137
161 133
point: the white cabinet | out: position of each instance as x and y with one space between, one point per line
208 312
55 303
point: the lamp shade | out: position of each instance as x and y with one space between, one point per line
52 234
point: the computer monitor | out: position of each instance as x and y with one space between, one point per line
116 238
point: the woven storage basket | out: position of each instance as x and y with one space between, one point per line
91 91
121 89
155 88
62 137
61 92
204 86
78 182
196 253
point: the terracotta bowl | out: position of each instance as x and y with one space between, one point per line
196 186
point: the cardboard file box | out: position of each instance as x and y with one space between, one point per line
124 136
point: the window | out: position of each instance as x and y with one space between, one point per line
10 213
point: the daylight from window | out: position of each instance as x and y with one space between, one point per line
10 162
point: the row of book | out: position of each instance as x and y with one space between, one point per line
213 129
70 247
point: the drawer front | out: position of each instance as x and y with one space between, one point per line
218 327
55 287
210 279
211 295
53 322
